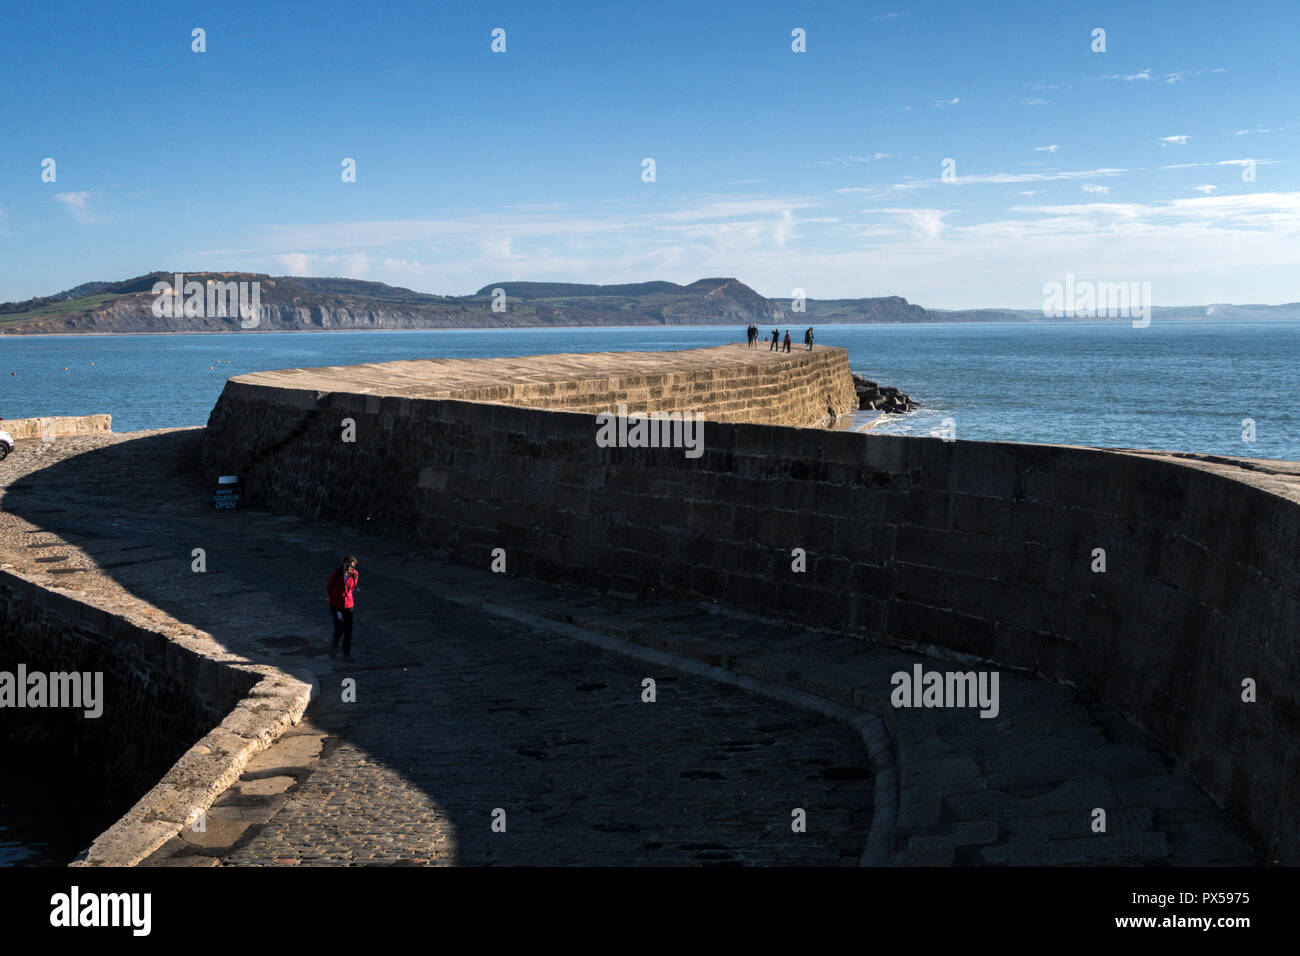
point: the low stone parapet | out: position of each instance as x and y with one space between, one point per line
56 426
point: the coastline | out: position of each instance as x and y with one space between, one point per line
1067 323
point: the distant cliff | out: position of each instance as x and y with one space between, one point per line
291 303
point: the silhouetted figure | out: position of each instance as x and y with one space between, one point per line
776 339
751 334
342 582
787 340
807 338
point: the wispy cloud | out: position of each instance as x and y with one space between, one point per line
928 223
1205 189
985 178
78 205
1033 101
953 101
1094 188
888 17
851 160
1180 140
1244 211
1264 129
1047 149
1180 75
1225 162
1146 76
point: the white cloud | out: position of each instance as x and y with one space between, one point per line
1179 75
1145 76
1130 77
295 263
1034 101
1046 149
78 205
1224 162
985 178
1094 188
1264 129
923 222
849 160
939 104
888 17
1239 212
1205 189
1180 140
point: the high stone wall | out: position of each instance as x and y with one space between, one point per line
981 548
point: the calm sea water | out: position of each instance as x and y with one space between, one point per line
1183 386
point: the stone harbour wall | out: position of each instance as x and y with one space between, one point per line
729 383
984 549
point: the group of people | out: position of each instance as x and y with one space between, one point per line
752 333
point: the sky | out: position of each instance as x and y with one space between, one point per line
959 154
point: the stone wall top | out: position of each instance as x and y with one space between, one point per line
724 383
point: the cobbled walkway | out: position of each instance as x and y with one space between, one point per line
477 693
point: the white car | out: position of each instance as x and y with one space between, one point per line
6 445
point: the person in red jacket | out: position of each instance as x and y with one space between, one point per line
339 588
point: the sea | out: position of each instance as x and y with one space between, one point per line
1223 388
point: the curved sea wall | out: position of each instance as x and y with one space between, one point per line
987 549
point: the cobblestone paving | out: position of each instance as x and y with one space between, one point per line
457 712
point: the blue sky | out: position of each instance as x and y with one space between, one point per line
818 170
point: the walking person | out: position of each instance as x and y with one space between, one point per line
751 334
776 338
342 582
787 340
807 338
